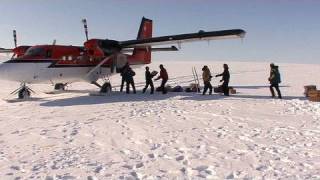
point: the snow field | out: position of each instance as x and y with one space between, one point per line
175 136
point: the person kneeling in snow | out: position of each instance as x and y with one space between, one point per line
206 76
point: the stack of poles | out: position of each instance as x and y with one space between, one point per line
196 79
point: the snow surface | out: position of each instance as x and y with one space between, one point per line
176 136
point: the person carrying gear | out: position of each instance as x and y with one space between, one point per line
274 80
164 76
149 81
122 70
128 76
206 76
225 79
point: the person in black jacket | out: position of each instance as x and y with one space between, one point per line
122 71
274 80
149 81
128 76
225 79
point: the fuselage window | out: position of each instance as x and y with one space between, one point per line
70 58
64 58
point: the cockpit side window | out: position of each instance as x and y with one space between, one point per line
35 52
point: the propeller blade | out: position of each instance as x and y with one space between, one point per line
84 21
15 38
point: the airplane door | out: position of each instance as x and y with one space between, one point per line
121 61
41 72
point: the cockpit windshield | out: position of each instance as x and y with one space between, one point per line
35 52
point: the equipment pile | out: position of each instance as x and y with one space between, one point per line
312 93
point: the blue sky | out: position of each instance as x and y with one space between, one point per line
278 31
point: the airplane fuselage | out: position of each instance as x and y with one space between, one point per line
51 64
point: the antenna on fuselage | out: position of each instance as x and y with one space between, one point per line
84 21
15 38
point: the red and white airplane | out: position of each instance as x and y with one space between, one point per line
98 58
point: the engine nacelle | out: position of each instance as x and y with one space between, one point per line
20 50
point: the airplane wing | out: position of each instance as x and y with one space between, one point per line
2 50
182 38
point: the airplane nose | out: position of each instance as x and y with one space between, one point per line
3 71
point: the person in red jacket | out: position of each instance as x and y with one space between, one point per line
164 76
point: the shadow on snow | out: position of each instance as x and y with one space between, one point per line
117 97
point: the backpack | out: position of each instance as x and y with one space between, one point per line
277 76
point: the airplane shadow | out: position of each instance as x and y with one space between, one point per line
139 97
269 97
112 98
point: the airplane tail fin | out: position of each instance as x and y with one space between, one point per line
143 54
145 30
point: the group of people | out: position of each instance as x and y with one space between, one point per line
206 76
127 76
274 80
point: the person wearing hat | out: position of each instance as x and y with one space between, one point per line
206 76
225 79
274 80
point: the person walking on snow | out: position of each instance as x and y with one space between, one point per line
206 76
225 79
274 80
149 81
164 76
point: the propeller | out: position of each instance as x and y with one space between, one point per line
84 22
4 50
